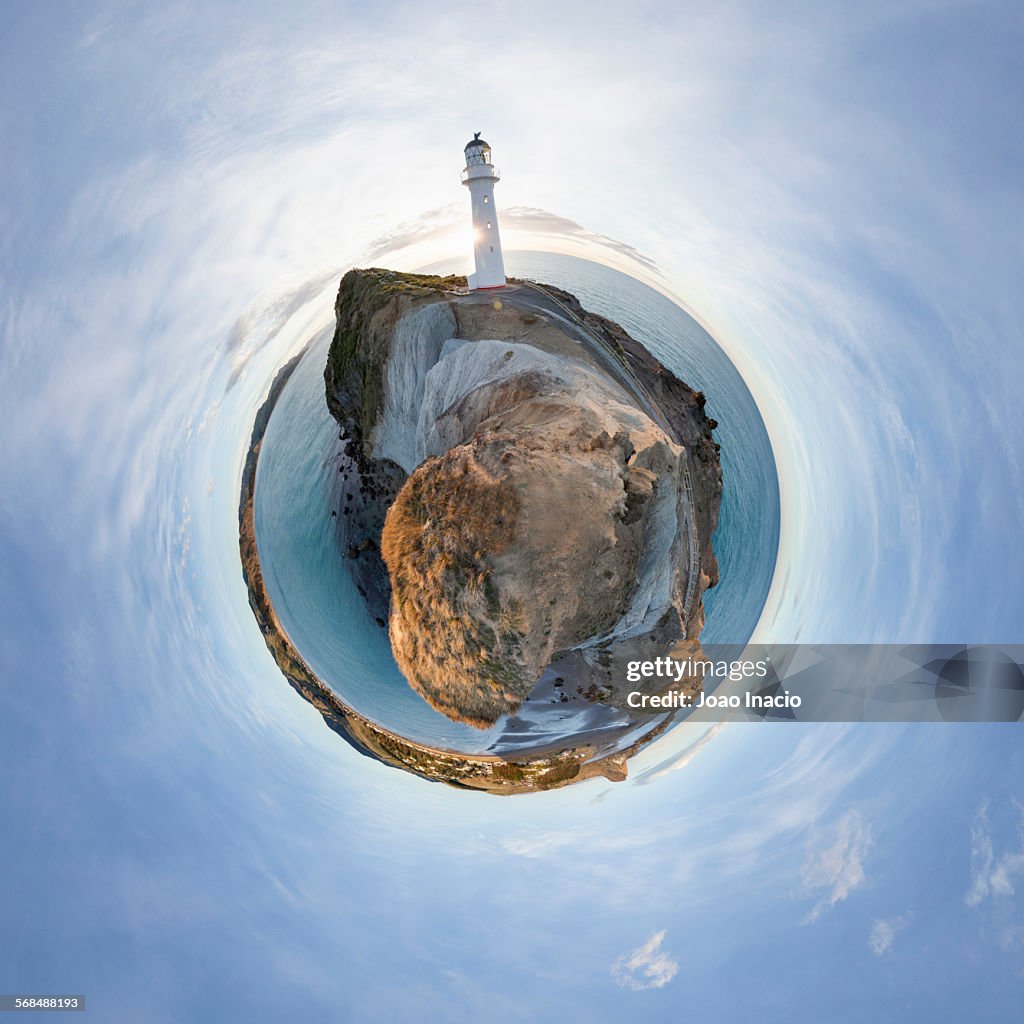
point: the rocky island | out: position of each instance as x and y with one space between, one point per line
524 498
525 490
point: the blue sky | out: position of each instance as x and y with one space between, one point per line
835 192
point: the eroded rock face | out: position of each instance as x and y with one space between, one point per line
544 509
521 541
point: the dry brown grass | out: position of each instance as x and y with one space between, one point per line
454 636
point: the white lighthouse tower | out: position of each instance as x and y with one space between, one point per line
479 177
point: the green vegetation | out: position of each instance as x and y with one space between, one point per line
537 774
368 305
510 772
563 771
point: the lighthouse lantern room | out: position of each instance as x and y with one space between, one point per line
479 177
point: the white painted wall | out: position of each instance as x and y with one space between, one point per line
490 265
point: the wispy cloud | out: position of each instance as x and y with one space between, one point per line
538 845
259 326
522 227
996 862
981 858
647 966
679 761
883 933
594 840
835 868
530 219
992 876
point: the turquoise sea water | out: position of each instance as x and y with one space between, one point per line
309 582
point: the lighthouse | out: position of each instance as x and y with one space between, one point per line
479 177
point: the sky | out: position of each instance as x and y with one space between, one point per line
834 191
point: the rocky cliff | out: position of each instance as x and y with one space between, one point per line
526 488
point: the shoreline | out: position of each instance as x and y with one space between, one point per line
491 773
